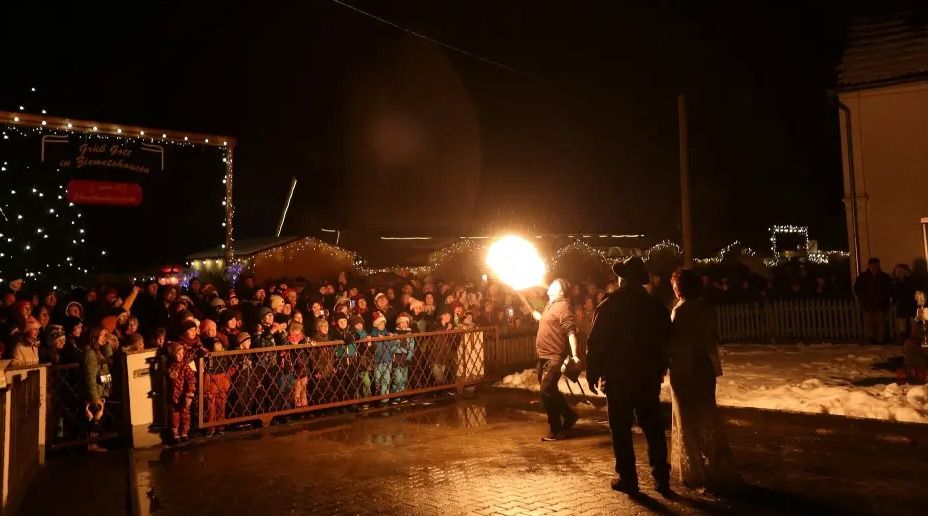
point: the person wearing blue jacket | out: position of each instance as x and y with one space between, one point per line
383 355
403 350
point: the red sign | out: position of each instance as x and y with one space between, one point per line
85 191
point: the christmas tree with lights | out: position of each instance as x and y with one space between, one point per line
42 235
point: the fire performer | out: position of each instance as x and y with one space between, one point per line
556 342
516 262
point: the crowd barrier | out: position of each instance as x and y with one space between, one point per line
21 438
262 383
67 420
824 319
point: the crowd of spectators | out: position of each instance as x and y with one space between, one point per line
88 326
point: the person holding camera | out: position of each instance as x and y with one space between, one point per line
97 383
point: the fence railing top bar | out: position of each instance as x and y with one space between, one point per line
333 343
28 367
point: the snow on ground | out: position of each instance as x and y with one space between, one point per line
837 379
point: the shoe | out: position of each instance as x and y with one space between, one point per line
365 407
570 420
663 487
551 436
622 486
220 431
184 439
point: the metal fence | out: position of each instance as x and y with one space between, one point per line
67 421
510 353
826 319
259 384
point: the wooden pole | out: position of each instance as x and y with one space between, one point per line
283 215
685 183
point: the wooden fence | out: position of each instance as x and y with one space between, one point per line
804 319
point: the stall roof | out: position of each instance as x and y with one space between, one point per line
244 247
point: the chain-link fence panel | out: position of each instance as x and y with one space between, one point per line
258 384
68 422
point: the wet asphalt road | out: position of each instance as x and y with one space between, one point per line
482 455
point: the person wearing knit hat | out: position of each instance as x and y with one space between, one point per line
74 309
73 329
25 350
276 303
53 350
382 356
246 381
243 341
403 317
263 314
382 303
378 320
403 351
364 350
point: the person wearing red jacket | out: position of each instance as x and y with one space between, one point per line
182 386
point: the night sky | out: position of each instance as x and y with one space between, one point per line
391 134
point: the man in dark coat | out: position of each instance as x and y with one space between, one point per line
627 348
874 289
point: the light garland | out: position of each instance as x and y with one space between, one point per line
441 256
790 230
581 246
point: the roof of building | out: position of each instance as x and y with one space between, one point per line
244 247
885 48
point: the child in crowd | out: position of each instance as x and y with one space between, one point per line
403 350
383 355
364 349
182 386
300 364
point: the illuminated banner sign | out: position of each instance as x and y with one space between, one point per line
108 193
105 172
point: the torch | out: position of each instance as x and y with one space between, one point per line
516 262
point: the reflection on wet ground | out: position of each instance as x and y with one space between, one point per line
482 455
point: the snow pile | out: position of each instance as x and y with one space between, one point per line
824 379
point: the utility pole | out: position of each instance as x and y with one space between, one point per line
685 210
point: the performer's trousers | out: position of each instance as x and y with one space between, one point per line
625 402
549 374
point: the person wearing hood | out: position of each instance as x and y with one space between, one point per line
25 350
628 347
211 338
189 337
